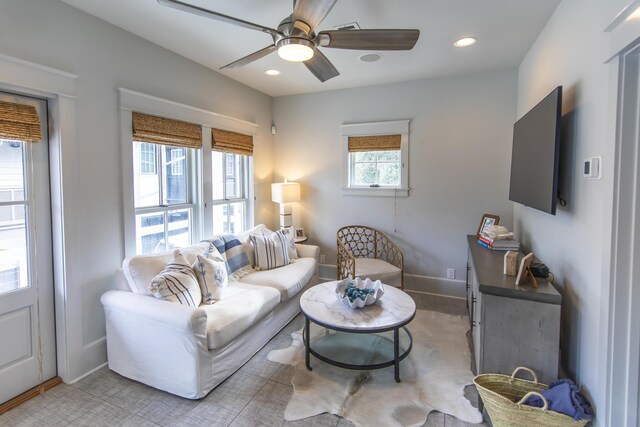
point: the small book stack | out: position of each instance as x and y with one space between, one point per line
498 240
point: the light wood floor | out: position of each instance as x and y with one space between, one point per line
256 395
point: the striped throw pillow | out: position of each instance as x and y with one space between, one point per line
270 251
234 255
177 282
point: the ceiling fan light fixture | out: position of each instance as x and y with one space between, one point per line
295 49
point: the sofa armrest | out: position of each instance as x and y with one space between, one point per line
152 310
159 343
308 251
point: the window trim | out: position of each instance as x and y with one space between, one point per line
369 129
202 221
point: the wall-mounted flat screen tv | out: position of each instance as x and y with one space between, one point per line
535 155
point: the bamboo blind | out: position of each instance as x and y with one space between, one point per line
232 142
19 122
374 143
160 130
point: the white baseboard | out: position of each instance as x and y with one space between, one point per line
414 282
88 373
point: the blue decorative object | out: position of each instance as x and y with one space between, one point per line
359 293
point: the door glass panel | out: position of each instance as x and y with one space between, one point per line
179 226
13 237
150 233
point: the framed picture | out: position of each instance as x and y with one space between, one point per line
523 271
487 221
300 232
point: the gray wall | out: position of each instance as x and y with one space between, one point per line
571 51
460 151
105 57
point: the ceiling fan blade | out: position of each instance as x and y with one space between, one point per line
369 39
251 57
321 67
197 10
312 12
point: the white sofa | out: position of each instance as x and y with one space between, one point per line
188 351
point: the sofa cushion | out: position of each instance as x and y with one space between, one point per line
288 279
242 306
271 251
377 269
139 270
177 282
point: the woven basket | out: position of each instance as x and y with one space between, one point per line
500 393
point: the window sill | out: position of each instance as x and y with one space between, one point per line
376 191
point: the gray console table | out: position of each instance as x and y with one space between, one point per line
510 325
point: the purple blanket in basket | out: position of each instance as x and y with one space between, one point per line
564 397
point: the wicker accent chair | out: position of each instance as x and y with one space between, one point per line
366 252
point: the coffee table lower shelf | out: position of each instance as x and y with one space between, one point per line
367 335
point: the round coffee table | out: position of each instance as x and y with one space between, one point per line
392 312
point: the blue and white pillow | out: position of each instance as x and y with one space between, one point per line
234 255
271 251
211 272
177 282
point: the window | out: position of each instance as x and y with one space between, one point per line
375 168
147 158
230 177
375 159
163 198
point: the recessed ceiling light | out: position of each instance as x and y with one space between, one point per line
370 57
272 72
465 41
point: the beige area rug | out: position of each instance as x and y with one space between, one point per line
433 378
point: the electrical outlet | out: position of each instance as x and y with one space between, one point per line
323 259
451 273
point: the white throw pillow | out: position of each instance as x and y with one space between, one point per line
270 251
212 277
290 234
177 282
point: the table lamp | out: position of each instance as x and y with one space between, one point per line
285 193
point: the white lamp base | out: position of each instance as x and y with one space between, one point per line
285 215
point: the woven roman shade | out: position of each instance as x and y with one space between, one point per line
160 130
374 143
19 122
232 142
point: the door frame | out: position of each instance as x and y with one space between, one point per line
38 296
621 358
59 89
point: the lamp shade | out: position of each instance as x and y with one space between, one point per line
285 192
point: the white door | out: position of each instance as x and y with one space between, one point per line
27 329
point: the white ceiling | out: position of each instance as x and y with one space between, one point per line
505 29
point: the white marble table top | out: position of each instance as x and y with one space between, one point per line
321 305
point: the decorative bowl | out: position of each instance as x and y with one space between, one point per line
359 293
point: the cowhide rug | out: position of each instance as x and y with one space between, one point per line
433 378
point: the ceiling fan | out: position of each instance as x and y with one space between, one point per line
296 39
